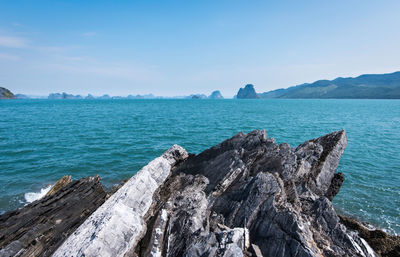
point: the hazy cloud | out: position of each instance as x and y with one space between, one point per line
13 42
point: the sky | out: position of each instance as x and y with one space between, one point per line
176 48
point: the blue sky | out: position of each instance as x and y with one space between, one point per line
174 48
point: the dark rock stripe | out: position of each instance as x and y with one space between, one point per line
249 184
39 228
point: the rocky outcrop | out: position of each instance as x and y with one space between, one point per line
384 244
274 193
246 196
6 94
248 92
116 227
61 183
39 228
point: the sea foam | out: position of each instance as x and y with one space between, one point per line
33 196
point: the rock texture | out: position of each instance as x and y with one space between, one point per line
248 92
250 191
246 196
39 228
6 94
116 227
61 183
383 243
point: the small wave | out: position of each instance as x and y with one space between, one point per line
33 196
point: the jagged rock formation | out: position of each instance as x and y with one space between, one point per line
274 193
248 92
383 243
61 183
39 228
247 196
6 94
216 95
116 227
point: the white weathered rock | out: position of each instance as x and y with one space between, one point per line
115 228
235 238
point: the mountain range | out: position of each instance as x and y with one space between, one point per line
369 86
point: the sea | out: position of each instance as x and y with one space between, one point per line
43 140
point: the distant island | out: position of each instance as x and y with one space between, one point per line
216 95
6 94
369 86
248 92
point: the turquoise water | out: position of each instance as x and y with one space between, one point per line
42 140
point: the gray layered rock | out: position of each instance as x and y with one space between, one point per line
39 228
116 227
380 241
250 191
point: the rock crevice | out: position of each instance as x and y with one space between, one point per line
246 196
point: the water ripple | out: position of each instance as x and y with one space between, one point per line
42 140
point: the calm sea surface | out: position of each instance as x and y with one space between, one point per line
42 140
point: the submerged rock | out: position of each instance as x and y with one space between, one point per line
39 228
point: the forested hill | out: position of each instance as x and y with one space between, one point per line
373 86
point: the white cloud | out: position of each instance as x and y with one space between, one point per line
13 42
50 49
